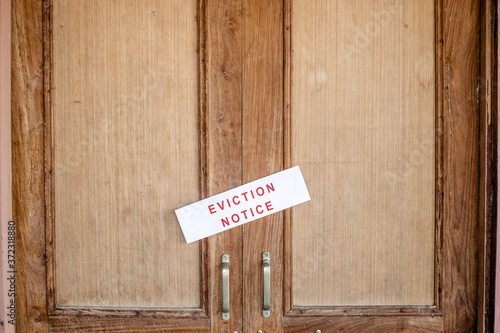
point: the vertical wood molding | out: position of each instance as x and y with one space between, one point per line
487 187
223 147
287 153
48 157
28 164
439 171
460 133
494 270
495 275
205 269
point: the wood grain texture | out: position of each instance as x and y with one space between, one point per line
439 168
496 168
125 142
137 312
64 324
28 165
48 152
381 310
223 149
205 268
460 105
262 101
458 132
363 108
405 324
287 152
487 192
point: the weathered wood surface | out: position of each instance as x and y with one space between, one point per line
262 104
363 109
458 128
28 165
125 152
223 147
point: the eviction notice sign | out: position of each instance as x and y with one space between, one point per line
243 204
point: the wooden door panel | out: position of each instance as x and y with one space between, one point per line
125 152
363 109
443 122
121 145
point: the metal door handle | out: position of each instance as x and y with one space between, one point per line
225 286
266 268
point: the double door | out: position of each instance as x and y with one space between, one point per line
145 106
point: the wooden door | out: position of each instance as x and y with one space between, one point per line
389 157
125 110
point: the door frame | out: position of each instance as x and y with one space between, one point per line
29 83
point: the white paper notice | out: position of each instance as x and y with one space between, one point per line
243 204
